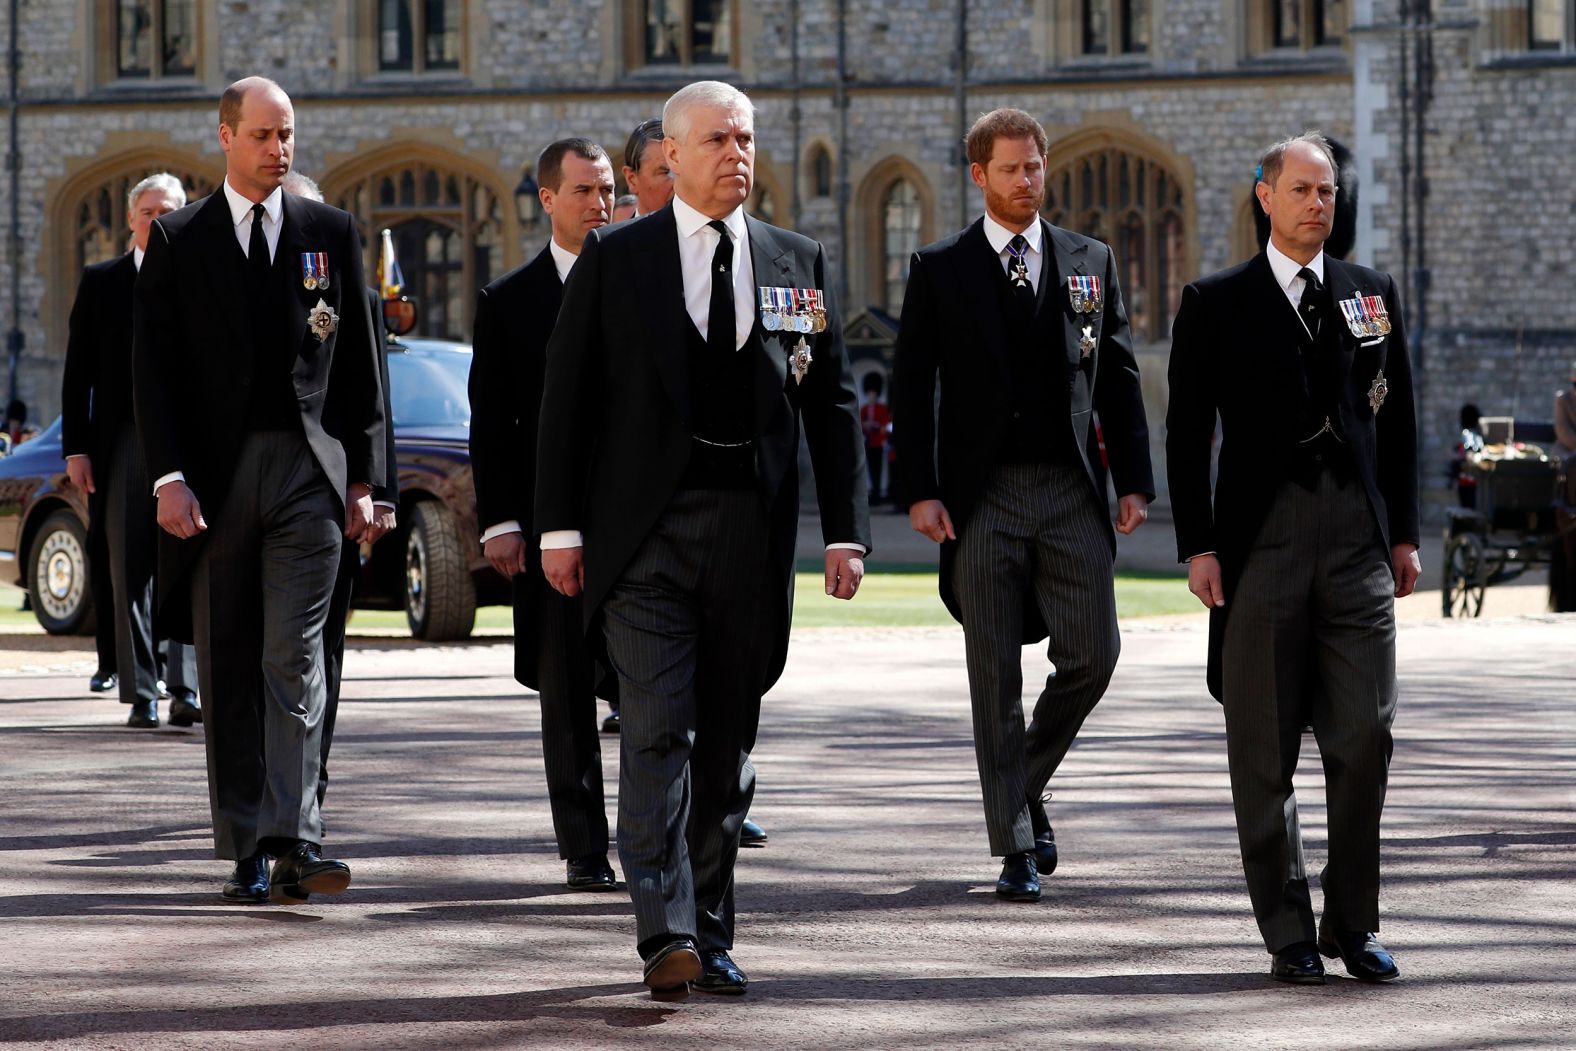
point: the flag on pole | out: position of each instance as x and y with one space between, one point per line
390 278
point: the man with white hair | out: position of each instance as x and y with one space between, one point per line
692 348
103 460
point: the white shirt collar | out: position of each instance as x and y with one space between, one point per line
240 207
998 235
136 256
563 259
690 220
1285 267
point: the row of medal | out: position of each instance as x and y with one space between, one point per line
314 270
1084 295
1366 316
793 309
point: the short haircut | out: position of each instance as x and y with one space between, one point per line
1003 123
302 186
550 164
1274 158
626 198
676 111
645 133
235 94
165 183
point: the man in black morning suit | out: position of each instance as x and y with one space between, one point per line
99 438
261 417
1311 538
514 318
1014 493
667 492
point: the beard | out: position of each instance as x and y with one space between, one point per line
1015 210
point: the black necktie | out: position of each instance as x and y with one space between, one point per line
1312 307
257 262
1018 272
720 336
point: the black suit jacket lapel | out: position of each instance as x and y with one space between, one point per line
1338 279
1072 258
663 284
982 278
298 234
773 268
226 269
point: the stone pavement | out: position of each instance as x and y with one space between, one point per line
868 922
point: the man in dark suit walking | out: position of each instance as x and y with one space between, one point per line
514 318
667 493
1311 538
1023 324
261 417
99 438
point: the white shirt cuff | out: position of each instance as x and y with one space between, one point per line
164 479
511 526
1201 554
556 539
855 547
391 505
74 456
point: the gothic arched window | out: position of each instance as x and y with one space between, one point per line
901 218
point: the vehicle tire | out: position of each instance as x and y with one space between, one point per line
57 576
1464 581
440 596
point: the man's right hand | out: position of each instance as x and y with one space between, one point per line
1203 580
565 569
179 513
79 469
506 552
929 518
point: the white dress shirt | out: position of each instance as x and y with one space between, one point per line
998 236
564 261
1285 269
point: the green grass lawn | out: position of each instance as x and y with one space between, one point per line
884 600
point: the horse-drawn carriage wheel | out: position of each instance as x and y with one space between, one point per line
1465 581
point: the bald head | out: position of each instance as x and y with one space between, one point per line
235 94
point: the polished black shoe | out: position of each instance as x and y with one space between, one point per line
1044 838
144 715
184 709
751 834
720 975
1020 879
303 872
103 681
1361 953
590 872
1298 964
248 883
610 724
672 967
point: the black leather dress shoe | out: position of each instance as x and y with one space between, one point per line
590 872
184 709
672 967
1044 837
751 834
144 715
1361 953
1298 964
248 883
303 872
103 681
1020 879
720 975
610 724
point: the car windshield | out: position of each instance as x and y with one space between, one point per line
428 388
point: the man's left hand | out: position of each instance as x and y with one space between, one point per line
358 512
1132 511
844 570
383 523
1407 568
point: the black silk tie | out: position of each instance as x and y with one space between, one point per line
720 336
257 262
1313 305
1018 273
